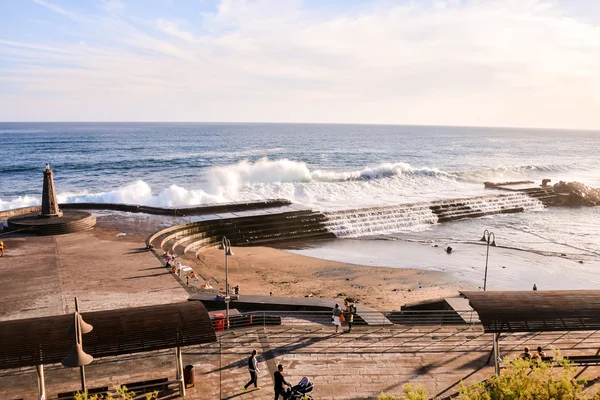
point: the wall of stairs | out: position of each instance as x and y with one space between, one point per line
546 195
283 224
406 217
254 230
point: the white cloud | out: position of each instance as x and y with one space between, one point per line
520 63
57 9
172 28
113 6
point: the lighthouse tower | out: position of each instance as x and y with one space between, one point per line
49 202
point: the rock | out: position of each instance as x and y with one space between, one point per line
563 255
579 194
580 261
340 295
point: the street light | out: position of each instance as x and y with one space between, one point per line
226 245
77 357
487 235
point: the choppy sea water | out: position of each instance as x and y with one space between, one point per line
326 167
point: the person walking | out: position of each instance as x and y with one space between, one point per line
335 318
1 248
350 311
279 381
253 369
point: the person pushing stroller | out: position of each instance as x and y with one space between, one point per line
279 381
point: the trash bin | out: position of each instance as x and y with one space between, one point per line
189 379
219 322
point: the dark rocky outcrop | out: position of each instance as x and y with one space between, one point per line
578 194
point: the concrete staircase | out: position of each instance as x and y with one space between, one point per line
268 228
482 206
546 195
406 217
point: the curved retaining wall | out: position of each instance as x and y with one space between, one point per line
86 222
269 228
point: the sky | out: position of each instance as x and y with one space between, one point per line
522 63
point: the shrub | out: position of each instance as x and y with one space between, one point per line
121 393
410 393
519 380
525 380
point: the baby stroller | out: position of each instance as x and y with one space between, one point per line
300 391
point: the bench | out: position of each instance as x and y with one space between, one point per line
161 384
584 360
150 385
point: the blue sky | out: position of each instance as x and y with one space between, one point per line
528 63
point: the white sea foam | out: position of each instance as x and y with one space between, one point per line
141 193
319 188
19 202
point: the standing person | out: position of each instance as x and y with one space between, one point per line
1 248
350 311
335 319
253 369
534 287
279 381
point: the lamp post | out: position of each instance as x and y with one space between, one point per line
77 357
487 236
226 246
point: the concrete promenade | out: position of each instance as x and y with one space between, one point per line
41 275
359 365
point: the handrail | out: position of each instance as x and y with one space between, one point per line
363 319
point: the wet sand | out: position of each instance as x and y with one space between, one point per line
508 268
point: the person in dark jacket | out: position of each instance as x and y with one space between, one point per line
279 381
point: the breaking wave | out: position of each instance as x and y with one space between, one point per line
385 183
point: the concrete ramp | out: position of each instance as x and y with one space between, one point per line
463 309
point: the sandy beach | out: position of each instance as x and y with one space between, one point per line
260 270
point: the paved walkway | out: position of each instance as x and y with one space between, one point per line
359 365
41 275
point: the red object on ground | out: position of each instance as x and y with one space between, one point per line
219 322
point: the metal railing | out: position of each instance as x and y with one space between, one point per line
312 319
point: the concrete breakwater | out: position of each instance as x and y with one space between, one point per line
295 223
381 220
274 221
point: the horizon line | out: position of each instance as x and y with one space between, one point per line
303 123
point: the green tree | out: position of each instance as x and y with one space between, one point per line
410 393
529 380
120 393
520 380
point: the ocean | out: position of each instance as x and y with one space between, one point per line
325 167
